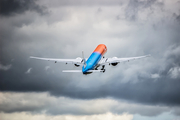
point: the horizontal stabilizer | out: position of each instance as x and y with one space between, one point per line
95 71
89 71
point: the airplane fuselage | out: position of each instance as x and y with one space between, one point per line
94 58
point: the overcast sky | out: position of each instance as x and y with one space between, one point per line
142 89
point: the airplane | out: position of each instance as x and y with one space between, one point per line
91 64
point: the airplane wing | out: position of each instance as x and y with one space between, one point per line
118 60
73 61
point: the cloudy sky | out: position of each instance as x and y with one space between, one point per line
143 89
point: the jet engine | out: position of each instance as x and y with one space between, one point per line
114 64
76 65
78 58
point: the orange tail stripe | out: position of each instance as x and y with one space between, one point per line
101 48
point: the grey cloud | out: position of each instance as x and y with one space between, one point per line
28 116
177 17
5 67
135 6
39 102
21 102
28 71
83 2
81 31
176 111
12 7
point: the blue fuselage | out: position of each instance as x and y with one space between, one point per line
91 62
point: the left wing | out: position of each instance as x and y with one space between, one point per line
73 61
105 61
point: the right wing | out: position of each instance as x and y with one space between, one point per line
73 61
118 60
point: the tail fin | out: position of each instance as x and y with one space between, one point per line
84 60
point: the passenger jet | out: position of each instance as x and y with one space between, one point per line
91 64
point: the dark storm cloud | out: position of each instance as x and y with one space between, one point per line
162 42
12 7
84 2
146 90
135 6
177 17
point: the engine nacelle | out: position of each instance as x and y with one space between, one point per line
114 64
76 65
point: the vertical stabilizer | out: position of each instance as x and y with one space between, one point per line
84 60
